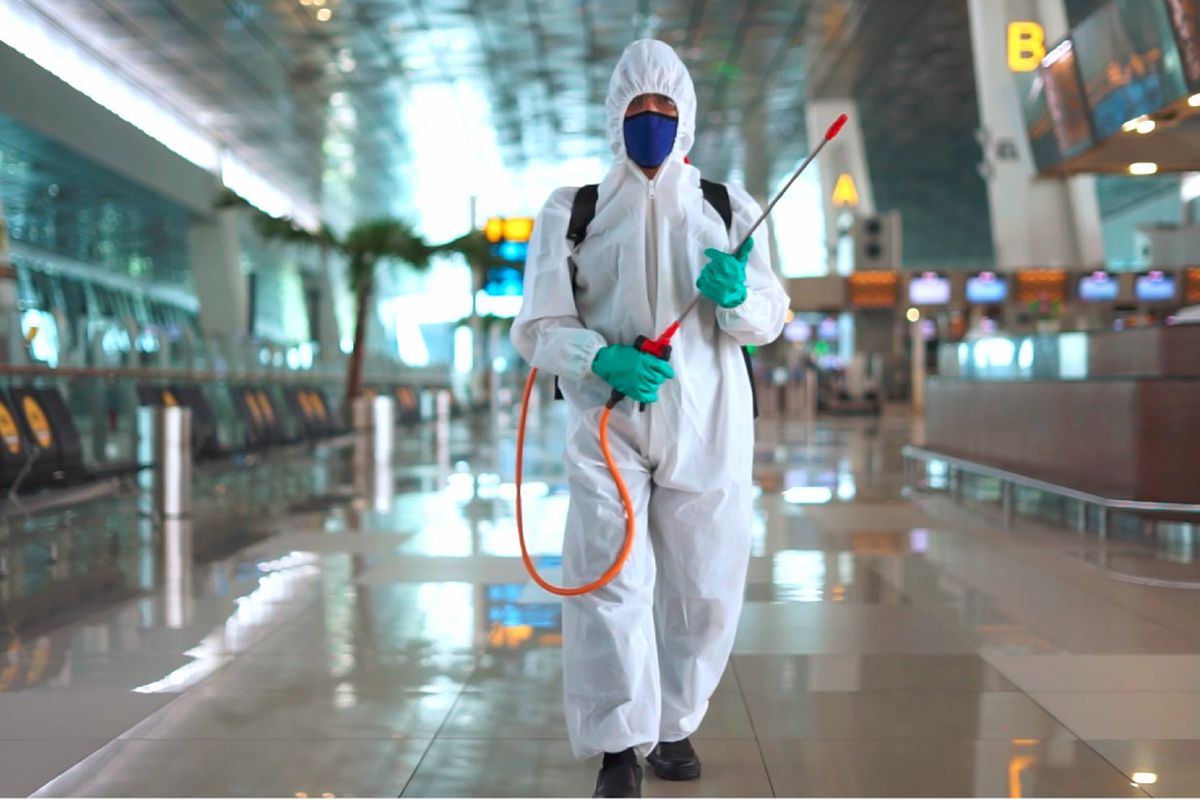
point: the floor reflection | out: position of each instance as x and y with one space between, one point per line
389 640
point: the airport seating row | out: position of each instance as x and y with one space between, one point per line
41 447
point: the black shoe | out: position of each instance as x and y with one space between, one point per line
621 776
675 761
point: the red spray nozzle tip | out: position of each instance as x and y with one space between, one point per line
836 127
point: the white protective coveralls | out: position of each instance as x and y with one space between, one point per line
642 656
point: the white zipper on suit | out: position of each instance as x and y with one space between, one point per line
652 257
652 291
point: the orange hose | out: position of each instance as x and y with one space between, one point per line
626 549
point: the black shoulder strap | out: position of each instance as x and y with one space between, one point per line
582 210
717 196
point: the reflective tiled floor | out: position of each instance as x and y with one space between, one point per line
891 645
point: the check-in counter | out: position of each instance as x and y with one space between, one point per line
1116 414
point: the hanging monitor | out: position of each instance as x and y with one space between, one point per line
1098 287
1128 61
929 289
1185 20
1065 101
1155 286
987 288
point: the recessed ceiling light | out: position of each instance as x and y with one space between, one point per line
1146 126
324 14
1143 168
1145 778
1194 101
1131 125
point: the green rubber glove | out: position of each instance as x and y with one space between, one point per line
723 279
631 372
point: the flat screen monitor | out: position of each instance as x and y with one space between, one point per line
1128 61
1039 126
1185 20
797 331
1155 286
929 289
1065 100
987 288
1098 287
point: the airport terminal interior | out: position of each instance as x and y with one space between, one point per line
271 457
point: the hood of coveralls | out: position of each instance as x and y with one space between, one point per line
649 66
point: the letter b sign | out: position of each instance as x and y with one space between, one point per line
1026 46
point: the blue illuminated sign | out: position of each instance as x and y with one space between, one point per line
503 282
514 252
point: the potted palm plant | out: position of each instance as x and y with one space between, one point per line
366 247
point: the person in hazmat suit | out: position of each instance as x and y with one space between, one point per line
642 655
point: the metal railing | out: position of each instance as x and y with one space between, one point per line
956 467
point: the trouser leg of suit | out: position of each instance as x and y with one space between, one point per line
702 545
610 659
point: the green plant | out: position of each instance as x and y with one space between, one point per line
366 246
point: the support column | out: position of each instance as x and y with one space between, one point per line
844 155
330 287
217 275
917 366
12 344
1035 221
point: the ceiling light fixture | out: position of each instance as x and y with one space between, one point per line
1132 124
1146 126
1143 168
324 14
1194 101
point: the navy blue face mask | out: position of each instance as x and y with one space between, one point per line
650 138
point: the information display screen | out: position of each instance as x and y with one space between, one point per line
1065 101
987 288
1191 289
1155 286
1038 124
797 331
929 289
1041 286
1185 19
511 251
1098 287
1128 61
873 289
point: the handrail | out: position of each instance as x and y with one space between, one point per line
925 454
178 374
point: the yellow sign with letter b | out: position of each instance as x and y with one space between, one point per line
1026 46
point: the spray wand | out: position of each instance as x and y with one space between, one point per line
659 348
